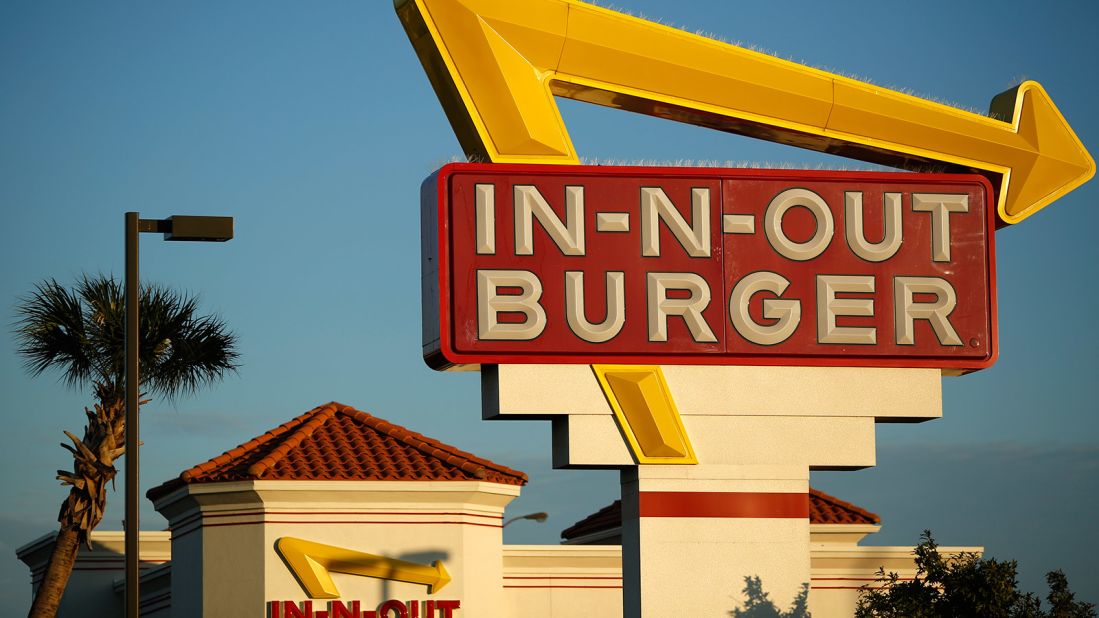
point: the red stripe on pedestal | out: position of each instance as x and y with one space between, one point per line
723 504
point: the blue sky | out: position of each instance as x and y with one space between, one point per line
313 125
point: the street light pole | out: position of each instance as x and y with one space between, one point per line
178 228
133 485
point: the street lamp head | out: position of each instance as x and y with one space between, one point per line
539 517
202 229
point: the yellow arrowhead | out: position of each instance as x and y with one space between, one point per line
1062 163
646 413
312 562
497 65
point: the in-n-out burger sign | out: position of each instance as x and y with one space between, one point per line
393 608
707 266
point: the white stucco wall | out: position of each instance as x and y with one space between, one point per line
234 527
517 581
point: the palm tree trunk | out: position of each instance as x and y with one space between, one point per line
60 567
93 470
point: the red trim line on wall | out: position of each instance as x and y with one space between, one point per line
619 577
276 512
357 523
724 504
568 587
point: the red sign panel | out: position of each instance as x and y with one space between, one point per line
562 264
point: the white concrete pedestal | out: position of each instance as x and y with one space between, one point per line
692 533
690 537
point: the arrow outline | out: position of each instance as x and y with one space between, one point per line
311 562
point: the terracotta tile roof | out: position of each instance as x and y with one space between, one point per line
606 518
826 509
335 442
823 509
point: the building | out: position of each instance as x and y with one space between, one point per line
340 514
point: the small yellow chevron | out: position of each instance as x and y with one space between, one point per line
646 413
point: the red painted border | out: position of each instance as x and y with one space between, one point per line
562 577
724 504
204 525
568 587
443 356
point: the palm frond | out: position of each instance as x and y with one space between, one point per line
186 353
50 331
82 333
105 306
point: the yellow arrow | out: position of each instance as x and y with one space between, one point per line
497 64
312 562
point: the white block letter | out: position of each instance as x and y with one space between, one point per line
787 312
906 311
490 305
772 224
940 205
486 219
690 308
656 207
856 235
530 205
828 307
574 307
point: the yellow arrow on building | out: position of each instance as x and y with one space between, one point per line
497 64
312 562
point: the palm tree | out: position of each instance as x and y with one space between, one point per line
81 333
